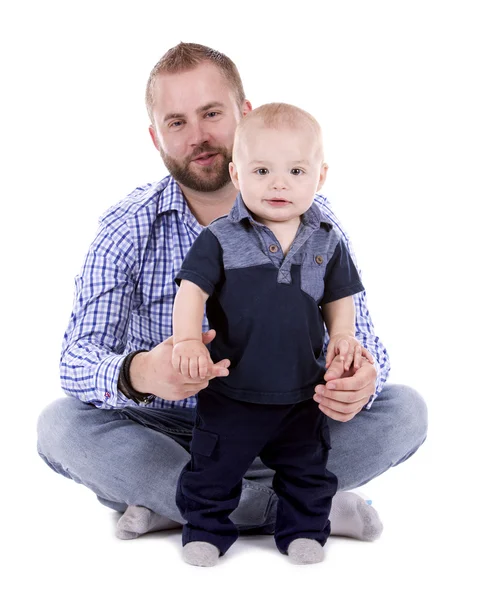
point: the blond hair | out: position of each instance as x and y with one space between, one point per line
187 56
276 115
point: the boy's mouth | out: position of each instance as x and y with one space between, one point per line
277 201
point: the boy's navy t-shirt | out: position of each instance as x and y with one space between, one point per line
265 307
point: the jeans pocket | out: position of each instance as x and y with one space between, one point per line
203 442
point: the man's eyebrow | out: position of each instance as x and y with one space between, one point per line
211 105
203 108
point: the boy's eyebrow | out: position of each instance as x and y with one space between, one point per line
201 109
295 162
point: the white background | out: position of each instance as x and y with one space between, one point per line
394 87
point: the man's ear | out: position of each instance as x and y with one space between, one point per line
233 174
246 107
154 137
323 175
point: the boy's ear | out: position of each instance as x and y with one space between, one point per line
233 175
323 175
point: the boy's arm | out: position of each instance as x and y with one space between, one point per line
339 317
364 332
190 357
188 312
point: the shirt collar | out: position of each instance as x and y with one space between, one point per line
313 217
172 198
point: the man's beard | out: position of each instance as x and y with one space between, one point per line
209 178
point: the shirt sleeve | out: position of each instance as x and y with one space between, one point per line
364 328
203 264
95 338
341 277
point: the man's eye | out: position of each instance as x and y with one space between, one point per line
262 171
213 113
175 123
296 171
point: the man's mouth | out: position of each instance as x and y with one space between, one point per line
205 159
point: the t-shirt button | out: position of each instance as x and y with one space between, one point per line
273 248
319 260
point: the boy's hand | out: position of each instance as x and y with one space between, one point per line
191 358
348 350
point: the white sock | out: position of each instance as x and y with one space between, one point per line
352 516
138 520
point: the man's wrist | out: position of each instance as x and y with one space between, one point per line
125 384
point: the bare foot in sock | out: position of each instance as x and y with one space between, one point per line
304 551
138 520
351 516
200 554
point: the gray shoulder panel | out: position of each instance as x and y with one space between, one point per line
239 242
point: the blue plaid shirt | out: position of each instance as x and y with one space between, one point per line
125 292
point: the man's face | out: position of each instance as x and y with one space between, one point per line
278 171
195 115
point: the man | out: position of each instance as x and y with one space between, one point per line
124 429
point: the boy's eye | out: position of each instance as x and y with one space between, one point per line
262 171
296 171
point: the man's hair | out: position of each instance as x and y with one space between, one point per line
185 57
276 115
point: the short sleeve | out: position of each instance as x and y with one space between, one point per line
203 264
341 276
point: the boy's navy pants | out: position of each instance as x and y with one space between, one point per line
293 440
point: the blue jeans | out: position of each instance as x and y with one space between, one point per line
134 456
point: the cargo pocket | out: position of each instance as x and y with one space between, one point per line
325 435
203 442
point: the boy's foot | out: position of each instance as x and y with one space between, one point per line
200 554
353 516
138 520
304 551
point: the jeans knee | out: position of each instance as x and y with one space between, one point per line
415 412
52 426
411 418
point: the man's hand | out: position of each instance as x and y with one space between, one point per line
153 372
346 392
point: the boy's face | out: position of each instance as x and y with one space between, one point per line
278 171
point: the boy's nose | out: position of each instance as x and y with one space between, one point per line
279 184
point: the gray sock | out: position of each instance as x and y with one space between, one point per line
304 551
200 554
351 516
138 520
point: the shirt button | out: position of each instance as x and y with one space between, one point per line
273 248
319 260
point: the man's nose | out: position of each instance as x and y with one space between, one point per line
199 133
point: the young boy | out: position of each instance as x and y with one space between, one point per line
270 273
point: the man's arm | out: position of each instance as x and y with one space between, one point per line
95 340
